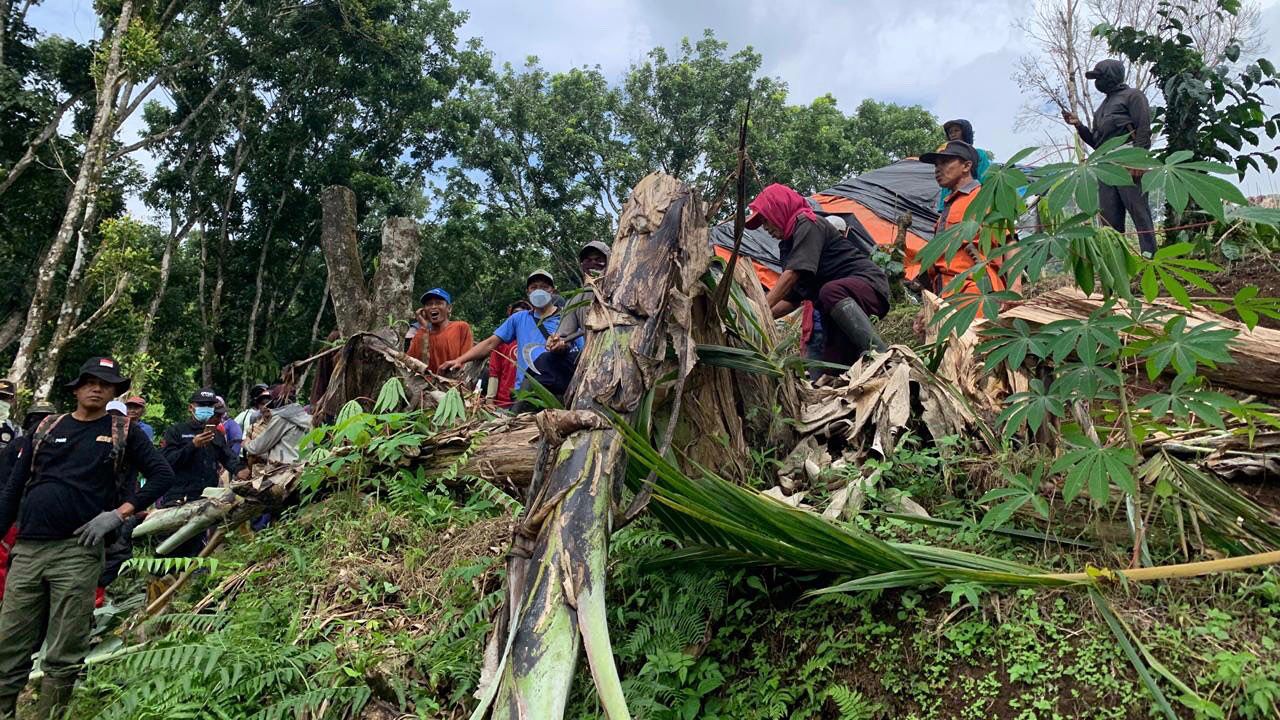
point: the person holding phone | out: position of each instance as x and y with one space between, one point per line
195 449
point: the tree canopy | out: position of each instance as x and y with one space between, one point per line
506 168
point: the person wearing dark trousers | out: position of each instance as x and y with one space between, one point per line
196 448
821 265
1123 113
64 494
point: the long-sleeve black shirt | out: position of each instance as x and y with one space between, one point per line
72 478
194 468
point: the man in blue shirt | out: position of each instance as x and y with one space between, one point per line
529 328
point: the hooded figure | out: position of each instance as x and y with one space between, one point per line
1124 112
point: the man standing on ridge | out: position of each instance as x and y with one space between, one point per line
440 338
961 129
953 168
1126 113
65 495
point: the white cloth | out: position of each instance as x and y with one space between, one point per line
279 441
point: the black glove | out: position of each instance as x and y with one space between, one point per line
96 530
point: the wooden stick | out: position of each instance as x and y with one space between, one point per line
739 216
161 602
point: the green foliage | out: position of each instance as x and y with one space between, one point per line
231 671
1084 352
1021 490
167 565
1210 113
1088 465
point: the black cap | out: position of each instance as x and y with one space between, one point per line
7 388
103 368
203 396
952 148
1104 68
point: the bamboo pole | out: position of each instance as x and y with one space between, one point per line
1171 572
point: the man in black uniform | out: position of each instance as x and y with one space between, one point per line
1123 113
195 449
64 494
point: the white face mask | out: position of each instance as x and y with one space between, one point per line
539 298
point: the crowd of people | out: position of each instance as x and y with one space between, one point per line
73 485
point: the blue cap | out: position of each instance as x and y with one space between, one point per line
438 292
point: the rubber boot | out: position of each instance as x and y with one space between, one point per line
55 697
8 707
848 316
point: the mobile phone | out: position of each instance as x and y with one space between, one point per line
210 426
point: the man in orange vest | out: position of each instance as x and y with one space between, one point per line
954 167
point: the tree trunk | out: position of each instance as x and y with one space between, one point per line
72 298
9 330
257 293
1256 353
358 305
53 353
342 258
176 236
29 155
556 590
100 135
200 293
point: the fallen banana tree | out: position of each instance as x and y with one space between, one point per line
640 329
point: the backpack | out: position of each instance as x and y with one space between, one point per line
119 440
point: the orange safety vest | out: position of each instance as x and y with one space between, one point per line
957 203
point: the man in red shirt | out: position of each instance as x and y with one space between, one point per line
440 339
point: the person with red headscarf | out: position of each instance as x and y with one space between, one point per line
822 265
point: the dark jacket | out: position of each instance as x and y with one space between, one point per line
73 477
194 469
1124 111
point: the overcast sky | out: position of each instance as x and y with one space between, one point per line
955 60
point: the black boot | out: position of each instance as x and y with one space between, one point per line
55 697
849 319
8 707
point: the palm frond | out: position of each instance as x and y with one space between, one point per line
722 523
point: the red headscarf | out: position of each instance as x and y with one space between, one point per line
781 206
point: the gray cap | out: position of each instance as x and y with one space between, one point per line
540 273
952 148
594 245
